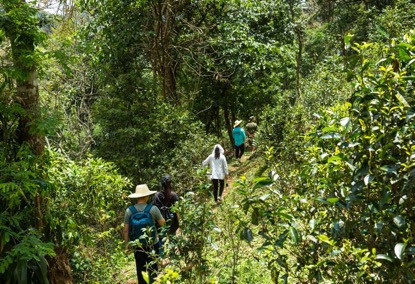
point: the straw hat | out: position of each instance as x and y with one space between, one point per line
141 190
237 122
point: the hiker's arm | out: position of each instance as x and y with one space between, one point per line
125 234
161 221
204 163
157 216
225 168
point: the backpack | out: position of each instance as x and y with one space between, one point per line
171 219
140 221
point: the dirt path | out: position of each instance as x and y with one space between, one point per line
236 170
234 173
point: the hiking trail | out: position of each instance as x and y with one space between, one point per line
236 170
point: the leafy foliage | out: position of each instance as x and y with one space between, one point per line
20 182
87 201
152 85
350 205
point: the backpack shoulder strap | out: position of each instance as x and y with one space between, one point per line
148 208
132 209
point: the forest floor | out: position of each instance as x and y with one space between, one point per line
247 167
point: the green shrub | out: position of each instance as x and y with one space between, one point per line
87 203
347 214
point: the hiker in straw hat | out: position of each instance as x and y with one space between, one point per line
239 136
143 256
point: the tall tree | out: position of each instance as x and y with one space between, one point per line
20 25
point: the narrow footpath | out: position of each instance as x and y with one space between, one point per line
236 171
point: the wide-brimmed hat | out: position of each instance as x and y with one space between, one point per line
141 190
237 122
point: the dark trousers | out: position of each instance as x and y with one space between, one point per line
142 261
215 187
239 151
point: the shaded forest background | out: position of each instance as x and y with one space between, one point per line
103 95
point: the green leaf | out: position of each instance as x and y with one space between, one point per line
43 265
347 39
332 135
410 114
21 270
345 121
334 159
399 250
265 196
332 200
399 221
321 199
402 99
382 31
403 55
313 223
247 234
255 216
294 235
145 276
329 129
368 178
325 239
261 182
384 256
391 168
281 239
216 229
284 215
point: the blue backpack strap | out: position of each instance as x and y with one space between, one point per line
132 209
148 208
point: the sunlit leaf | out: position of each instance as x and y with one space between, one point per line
332 200
368 178
399 221
344 121
384 256
331 136
399 250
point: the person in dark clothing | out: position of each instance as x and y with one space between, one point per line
251 129
164 200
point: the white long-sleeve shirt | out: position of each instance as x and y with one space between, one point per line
218 166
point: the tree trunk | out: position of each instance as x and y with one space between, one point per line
23 42
27 95
160 47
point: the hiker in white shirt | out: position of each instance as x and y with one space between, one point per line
219 168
